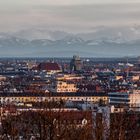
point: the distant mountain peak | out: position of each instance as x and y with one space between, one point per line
113 41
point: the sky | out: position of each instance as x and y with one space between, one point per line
67 15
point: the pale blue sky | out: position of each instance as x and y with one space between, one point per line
69 15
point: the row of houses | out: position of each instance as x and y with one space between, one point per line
45 97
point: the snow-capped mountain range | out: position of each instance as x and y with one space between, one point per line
99 42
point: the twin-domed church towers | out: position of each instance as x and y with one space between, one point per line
76 63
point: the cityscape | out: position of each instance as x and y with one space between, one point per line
70 94
69 70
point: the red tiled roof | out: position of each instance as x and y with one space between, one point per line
48 66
